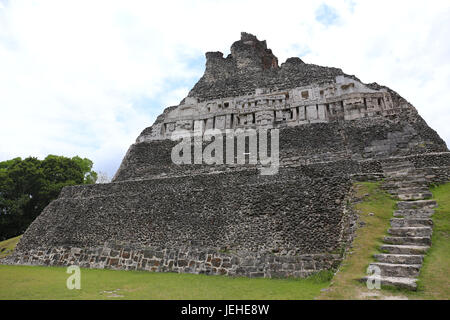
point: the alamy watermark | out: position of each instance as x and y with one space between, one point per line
190 149
373 280
73 281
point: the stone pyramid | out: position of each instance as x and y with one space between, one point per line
327 129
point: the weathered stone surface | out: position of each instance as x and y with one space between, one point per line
404 249
262 213
195 261
399 258
399 282
398 270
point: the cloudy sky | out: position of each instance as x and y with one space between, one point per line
86 77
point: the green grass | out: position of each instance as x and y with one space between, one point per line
32 282
7 246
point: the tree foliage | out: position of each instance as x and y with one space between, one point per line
27 186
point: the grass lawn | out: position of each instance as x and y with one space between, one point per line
7 246
32 282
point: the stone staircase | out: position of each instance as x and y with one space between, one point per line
411 228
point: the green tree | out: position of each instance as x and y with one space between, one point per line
27 186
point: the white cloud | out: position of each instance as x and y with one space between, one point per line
85 77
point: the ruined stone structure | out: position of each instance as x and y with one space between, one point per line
227 218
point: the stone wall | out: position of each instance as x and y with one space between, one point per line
288 224
288 213
263 109
181 260
302 145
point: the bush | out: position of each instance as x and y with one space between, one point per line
27 186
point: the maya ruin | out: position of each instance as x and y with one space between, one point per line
228 219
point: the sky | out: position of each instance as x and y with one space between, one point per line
86 77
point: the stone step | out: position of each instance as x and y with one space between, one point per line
415 189
395 191
399 175
398 282
411 232
421 241
396 165
399 258
404 223
414 213
417 204
404 178
392 172
391 185
397 270
411 177
404 190
415 196
404 249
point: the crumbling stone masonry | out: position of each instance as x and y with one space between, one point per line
229 219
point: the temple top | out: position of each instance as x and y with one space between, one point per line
252 65
247 54
248 89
